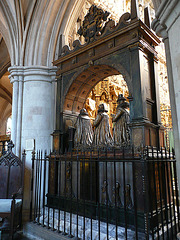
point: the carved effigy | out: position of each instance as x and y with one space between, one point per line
102 135
116 199
121 131
84 134
129 204
105 194
68 191
93 23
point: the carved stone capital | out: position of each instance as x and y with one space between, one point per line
32 73
159 28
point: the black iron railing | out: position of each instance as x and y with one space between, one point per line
107 193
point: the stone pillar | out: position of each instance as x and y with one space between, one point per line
38 106
33 106
14 81
166 25
33 113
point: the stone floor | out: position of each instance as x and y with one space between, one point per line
84 227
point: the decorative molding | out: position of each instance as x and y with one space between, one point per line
93 23
159 24
159 29
45 74
97 29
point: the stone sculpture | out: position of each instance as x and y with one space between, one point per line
121 131
84 134
102 134
129 204
116 200
68 191
104 194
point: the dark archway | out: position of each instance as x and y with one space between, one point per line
80 88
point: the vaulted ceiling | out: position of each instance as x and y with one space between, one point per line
31 28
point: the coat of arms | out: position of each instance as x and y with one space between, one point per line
93 23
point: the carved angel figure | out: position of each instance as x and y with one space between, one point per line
121 131
84 134
102 134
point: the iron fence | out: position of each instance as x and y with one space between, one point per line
106 193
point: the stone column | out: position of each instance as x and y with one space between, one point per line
19 115
33 112
38 106
33 106
173 80
14 81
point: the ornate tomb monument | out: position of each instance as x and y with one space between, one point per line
127 48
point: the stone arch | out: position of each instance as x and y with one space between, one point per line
5 101
41 47
5 85
6 34
63 22
81 84
5 62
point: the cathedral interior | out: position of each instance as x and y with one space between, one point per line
106 91
69 66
